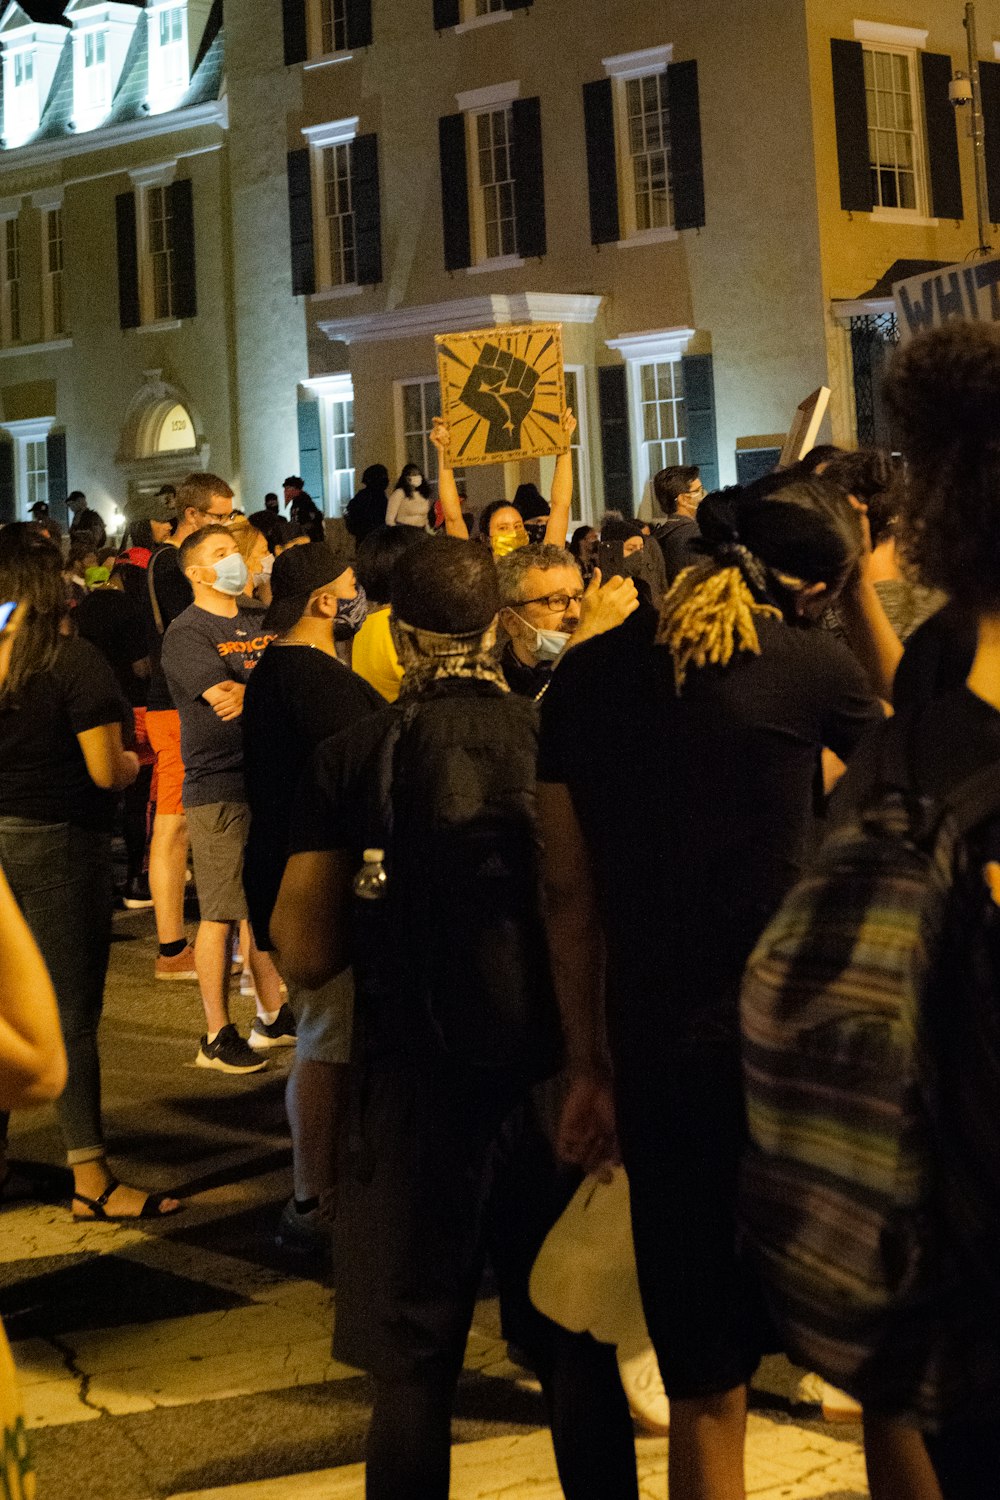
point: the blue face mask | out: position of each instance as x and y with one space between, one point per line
351 613
231 574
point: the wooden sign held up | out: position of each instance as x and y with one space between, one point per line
805 427
503 393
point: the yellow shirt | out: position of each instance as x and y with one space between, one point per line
374 657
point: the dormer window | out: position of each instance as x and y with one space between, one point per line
102 33
30 53
169 57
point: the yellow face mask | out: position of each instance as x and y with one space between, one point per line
505 542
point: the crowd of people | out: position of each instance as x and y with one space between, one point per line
490 822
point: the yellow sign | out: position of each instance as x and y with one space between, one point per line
502 393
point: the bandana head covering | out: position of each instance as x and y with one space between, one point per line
430 656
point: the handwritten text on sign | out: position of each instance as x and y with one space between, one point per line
968 292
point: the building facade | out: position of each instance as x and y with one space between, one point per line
229 234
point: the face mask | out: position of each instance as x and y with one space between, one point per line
231 575
266 564
351 612
506 542
548 643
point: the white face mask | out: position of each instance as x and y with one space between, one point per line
549 644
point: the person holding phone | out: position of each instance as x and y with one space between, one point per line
63 759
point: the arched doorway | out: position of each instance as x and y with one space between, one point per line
162 438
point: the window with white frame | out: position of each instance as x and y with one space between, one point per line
338 415
576 400
10 290
55 294
419 402
36 472
495 175
330 26
158 277
891 97
663 425
647 124
169 57
338 237
96 79
21 111
485 7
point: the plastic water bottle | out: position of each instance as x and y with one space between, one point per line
371 880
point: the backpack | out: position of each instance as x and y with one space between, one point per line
452 961
843 994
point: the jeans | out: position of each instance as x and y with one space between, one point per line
61 878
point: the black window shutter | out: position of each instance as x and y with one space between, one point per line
602 161
517 4
616 441
8 499
942 137
301 222
185 290
293 17
55 449
367 209
129 314
311 450
989 83
850 108
699 410
529 176
446 13
455 193
687 171
359 23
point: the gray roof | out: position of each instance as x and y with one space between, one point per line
130 95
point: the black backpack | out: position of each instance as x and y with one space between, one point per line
452 961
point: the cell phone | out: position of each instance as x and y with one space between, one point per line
6 610
611 560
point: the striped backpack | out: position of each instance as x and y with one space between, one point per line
842 1190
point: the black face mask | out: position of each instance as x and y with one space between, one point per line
641 567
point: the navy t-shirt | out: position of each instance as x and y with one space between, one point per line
200 651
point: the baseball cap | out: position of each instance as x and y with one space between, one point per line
296 574
159 507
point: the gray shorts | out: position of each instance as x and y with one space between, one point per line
324 1020
218 833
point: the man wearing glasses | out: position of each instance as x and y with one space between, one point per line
202 500
546 610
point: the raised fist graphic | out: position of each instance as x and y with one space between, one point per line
501 389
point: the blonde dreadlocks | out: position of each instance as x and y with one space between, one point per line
710 612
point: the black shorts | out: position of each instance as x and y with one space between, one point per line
441 1170
682 1126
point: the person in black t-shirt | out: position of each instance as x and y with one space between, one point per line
86 523
366 512
676 772
299 695
62 760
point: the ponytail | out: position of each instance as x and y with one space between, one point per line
709 613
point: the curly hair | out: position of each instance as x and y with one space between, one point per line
943 394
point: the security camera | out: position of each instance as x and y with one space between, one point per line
960 90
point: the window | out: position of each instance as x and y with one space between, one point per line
339 418
36 486
55 305
338 215
20 104
333 25
11 305
663 429
24 69
159 254
96 78
891 95
487 7
169 59
419 404
648 135
493 135
576 400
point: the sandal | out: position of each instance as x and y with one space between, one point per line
152 1208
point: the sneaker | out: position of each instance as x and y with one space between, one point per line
136 894
306 1234
229 1053
181 966
280 1033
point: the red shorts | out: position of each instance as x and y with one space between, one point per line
164 730
146 753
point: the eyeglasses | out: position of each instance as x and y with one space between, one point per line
217 519
558 603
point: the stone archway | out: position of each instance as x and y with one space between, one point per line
162 437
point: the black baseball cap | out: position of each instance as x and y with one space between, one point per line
296 574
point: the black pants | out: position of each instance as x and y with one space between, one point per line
966 1459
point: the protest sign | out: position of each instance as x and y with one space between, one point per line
503 393
805 427
968 292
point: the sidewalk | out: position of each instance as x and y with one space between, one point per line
188 1359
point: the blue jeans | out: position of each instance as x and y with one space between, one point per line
62 880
